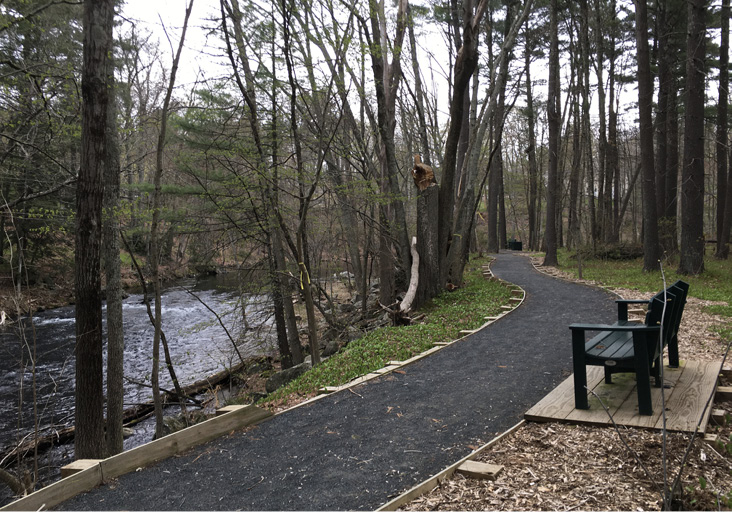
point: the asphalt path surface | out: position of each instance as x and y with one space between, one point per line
357 450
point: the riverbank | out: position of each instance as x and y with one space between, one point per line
52 285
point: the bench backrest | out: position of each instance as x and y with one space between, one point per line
674 299
681 290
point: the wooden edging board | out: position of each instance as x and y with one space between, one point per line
433 481
144 455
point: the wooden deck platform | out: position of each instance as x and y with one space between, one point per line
690 386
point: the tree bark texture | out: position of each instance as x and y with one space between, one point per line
692 189
112 269
531 151
554 117
651 251
428 245
722 136
465 63
387 77
89 412
154 233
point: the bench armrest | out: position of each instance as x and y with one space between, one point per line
623 307
616 327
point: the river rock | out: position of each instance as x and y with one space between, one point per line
258 366
330 334
352 334
175 423
331 347
279 379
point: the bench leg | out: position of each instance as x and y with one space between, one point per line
580 370
642 374
673 352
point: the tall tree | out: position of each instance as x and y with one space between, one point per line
651 248
495 176
531 151
465 63
553 117
722 135
692 189
112 271
387 77
89 413
154 228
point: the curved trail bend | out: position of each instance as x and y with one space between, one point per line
353 451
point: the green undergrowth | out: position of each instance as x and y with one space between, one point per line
445 316
714 284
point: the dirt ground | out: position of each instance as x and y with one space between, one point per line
565 467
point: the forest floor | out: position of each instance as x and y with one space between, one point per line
553 466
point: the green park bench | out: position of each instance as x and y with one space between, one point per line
631 347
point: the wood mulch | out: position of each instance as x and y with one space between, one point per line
554 466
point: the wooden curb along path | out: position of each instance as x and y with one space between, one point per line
86 474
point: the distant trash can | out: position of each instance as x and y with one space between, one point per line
514 245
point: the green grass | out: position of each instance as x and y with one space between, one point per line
446 316
714 284
125 258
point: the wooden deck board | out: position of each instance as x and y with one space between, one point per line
690 396
614 396
688 389
628 415
560 402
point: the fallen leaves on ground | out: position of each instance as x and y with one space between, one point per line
565 467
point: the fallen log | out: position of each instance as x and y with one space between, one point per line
58 434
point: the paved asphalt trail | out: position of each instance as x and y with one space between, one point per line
356 452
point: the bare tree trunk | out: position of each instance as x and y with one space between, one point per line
293 335
612 150
692 197
553 115
387 77
89 411
604 174
419 93
575 175
465 64
672 174
496 239
531 151
586 124
279 310
304 198
112 269
280 297
427 245
651 252
154 228
722 136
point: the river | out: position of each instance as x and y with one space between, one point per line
199 347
